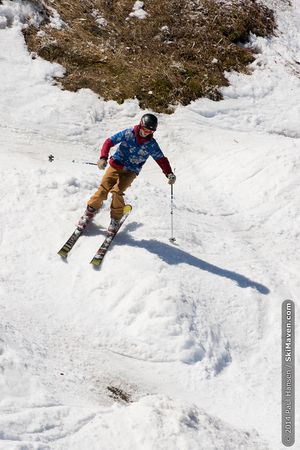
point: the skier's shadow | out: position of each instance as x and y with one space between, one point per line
94 230
173 255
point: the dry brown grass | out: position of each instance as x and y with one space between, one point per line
162 60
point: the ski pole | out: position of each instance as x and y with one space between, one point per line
51 159
172 238
84 162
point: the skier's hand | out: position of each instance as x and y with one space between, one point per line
102 163
171 178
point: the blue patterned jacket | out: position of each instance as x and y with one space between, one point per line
133 151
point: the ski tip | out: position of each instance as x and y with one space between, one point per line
96 262
127 209
62 253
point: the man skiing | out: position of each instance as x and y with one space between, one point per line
135 146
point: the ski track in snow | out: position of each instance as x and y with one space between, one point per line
191 331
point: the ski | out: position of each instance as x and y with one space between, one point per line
64 251
99 256
82 224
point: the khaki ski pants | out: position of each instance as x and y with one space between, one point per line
115 181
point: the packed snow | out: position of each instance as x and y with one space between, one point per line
167 346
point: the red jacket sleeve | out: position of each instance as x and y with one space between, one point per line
108 144
164 165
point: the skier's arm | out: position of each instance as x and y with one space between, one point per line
108 144
102 162
164 164
161 160
111 142
166 168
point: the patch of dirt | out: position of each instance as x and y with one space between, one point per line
119 394
176 54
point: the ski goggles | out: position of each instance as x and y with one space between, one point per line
146 130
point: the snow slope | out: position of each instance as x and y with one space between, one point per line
167 346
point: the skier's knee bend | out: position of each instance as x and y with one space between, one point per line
103 192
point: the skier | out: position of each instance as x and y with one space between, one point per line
135 146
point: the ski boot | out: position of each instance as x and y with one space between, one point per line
87 217
113 226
